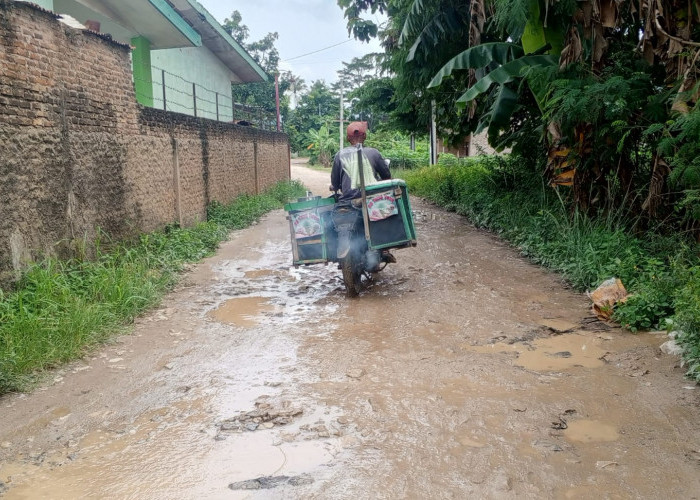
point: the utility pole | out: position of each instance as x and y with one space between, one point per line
277 98
433 134
341 119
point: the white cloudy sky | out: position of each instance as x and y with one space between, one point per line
303 26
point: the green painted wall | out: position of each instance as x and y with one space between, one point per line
141 62
47 4
192 64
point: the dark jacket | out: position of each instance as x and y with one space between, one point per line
345 175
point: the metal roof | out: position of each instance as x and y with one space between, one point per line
216 39
125 19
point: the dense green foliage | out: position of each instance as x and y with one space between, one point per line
322 146
58 309
660 272
394 146
318 106
596 95
687 319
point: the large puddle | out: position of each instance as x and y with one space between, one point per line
172 453
590 431
243 311
555 353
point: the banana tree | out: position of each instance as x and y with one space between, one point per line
498 63
507 62
321 145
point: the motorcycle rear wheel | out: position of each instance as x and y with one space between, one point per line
352 278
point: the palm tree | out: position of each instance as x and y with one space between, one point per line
297 85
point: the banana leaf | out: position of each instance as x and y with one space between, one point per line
479 56
537 35
505 74
434 30
499 115
413 21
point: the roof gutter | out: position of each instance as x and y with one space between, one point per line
233 43
177 21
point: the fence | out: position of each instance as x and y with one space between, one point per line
171 92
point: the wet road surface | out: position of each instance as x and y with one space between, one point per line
462 371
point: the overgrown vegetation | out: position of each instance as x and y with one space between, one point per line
597 95
322 146
58 309
660 271
395 146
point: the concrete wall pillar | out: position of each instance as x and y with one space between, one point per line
141 62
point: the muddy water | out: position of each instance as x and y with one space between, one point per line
551 353
243 311
591 431
461 371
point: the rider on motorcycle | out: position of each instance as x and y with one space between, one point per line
345 175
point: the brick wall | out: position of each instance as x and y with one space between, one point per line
77 152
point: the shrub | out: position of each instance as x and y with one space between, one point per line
687 319
405 158
660 272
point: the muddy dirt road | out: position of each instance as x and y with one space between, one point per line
462 372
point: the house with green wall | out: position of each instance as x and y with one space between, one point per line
182 58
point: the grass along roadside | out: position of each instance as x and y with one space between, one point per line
662 273
59 309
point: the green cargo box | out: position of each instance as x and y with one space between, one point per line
390 216
311 227
314 239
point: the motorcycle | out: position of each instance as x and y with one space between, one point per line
356 234
356 258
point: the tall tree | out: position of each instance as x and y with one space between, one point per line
235 28
317 107
607 87
373 102
265 53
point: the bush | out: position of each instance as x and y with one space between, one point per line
395 146
687 319
660 272
448 160
405 159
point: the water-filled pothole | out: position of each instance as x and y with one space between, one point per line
550 354
590 431
243 311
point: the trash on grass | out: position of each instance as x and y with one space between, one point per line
610 293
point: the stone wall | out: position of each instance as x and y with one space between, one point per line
78 153
480 145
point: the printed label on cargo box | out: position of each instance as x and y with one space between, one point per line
381 206
306 224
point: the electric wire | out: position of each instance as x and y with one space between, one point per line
317 51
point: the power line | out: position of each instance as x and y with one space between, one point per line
319 50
